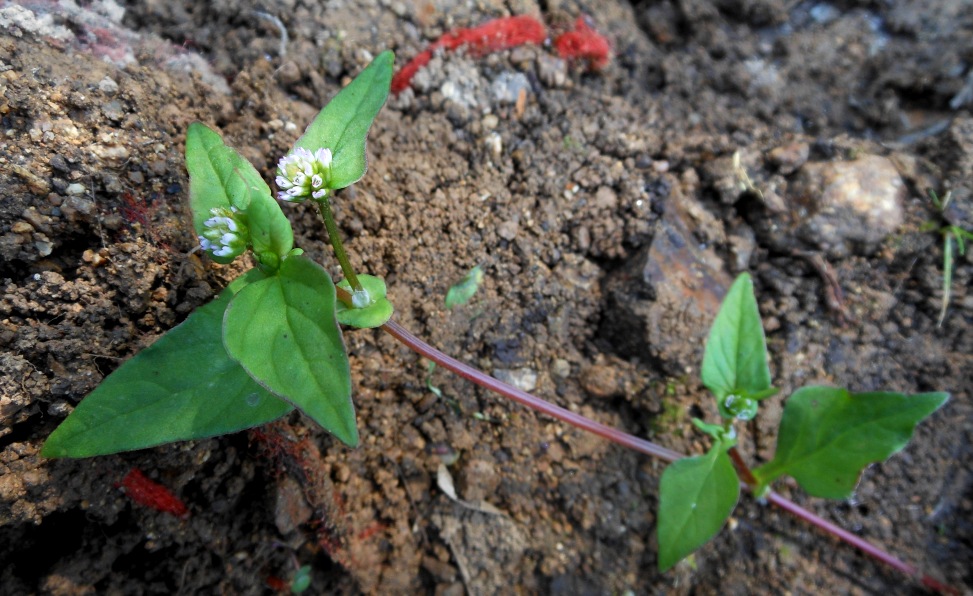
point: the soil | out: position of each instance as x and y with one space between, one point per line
610 209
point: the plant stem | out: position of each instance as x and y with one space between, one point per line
742 469
861 544
649 448
339 248
641 445
487 382
947 274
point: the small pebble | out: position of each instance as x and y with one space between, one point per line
524 379
108 86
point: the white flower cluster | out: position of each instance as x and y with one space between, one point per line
225 234
303 174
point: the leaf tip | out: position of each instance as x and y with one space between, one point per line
51 451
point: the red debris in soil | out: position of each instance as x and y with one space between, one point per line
152 494
584 43
492 36
302 461
370 531
277 584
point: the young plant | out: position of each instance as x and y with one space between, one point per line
461 292
271 342
827 436
953 233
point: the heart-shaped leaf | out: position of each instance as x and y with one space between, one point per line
735 362
375 314
283 331
696 496
184 386
828 435
343 124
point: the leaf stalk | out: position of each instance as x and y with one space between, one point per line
339 248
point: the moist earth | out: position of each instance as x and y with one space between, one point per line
610 210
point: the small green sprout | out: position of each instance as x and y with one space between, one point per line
464 289
301 580
826 438
953 234
435 390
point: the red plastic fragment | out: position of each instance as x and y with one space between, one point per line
277 584
584 43
403 78
492 36
495 35
152 494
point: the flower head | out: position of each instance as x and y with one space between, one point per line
303 174
225 234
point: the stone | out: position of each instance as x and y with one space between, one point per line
508 230
76 189
661 302
479 480
508 86
847 207
788 158
291 509
108 86
602 380
524 379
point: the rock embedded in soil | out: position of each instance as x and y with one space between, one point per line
789 157
479 480
524 379
661 301
291 509
846 207
602 380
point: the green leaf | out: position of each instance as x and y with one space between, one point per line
696 496
283 331
184 386
735 362
463 290
375 314
302 580
218 175
718 432
828 435
221 177
270 231
343 124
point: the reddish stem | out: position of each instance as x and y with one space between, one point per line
487 382
742 469
861 544
649 448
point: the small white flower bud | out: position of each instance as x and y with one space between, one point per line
225 234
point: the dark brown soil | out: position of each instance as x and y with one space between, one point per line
609 212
